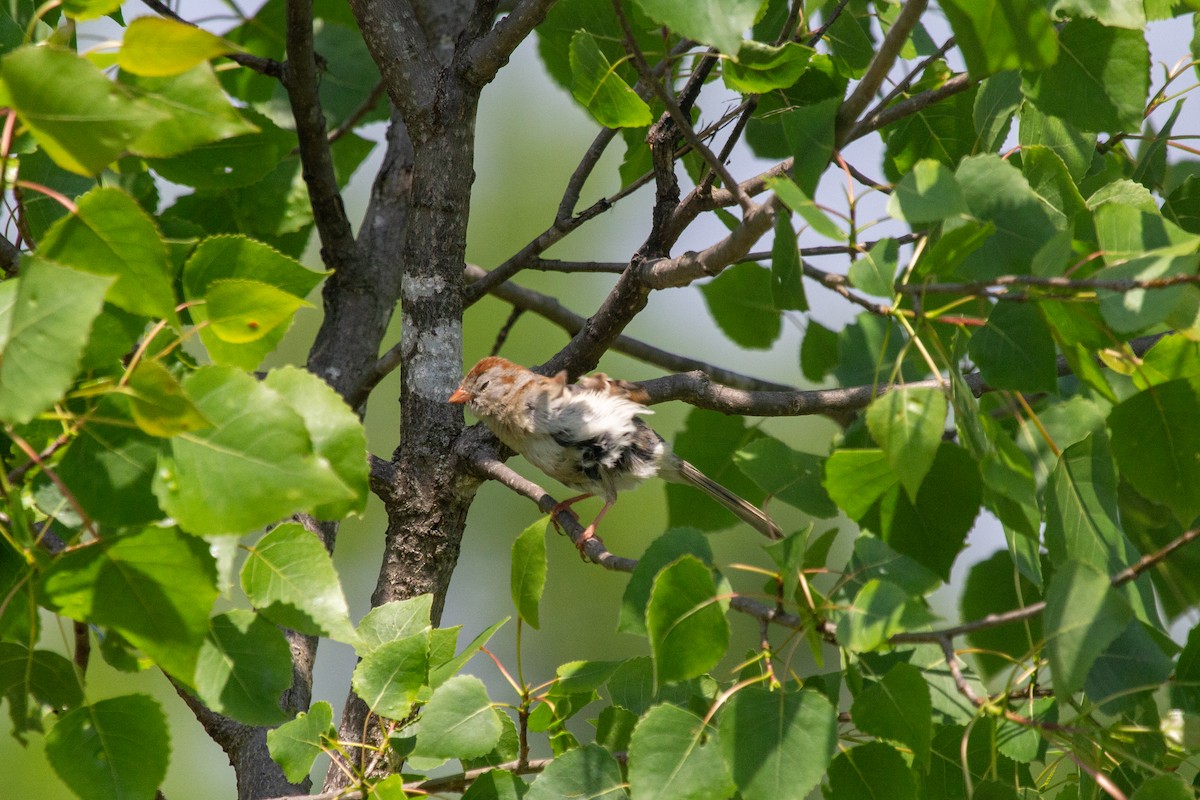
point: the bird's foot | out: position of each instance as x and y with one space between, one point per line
565 505
588 534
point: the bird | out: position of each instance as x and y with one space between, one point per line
587 435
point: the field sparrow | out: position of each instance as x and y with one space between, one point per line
586 435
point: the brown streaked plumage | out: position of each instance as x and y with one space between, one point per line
587 435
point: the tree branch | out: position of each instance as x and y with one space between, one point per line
682 123
918 102
549 308
403 55
878 69
697 389
666 273
338 248
487 54
483 460
1034 609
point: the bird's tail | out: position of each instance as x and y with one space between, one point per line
683 472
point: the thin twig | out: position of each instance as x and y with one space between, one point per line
841 285
986 288
1034 609
682 122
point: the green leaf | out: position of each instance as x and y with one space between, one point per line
944 131
1126 230
83 130
159 406
874 272
233 162
855 479
497 784
155 587
933 528
929 193
45 317
688 630
1084 614
1015 350
998 99
1137 309
871 771
528 574
113 748
1156 453
41 211
818 351
957 244
1074 146
1164 787
999 35
458 721
672 755
90 9
787 288
295 745
740 299
241 311
1082 523
994 586
47 677
898 708
336 431
792 476
808 131
777 744
664 550
598 88
389 678
908 425
1100 80
997 193
394 620
255 465
238 257
708 442
197 112
798 200
1050 179
868 349
761 67
1182 206
112 235
245 665
876 613
440 672
1128 671
719 23
588 771
289 577
1117 13
110 468
161 47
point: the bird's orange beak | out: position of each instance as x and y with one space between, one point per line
459 397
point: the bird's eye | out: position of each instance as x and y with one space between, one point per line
483 386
